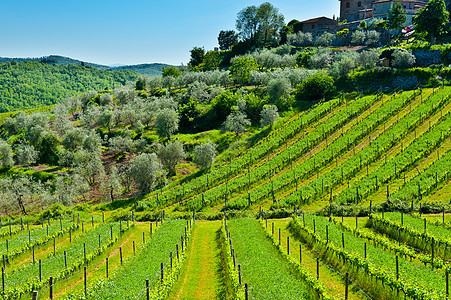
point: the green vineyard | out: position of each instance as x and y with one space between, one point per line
346 200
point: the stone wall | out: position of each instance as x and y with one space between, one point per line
404 82
426 58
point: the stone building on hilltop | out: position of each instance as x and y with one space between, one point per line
353 10
318 26
357 10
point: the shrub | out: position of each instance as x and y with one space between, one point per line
315 87
344 63
325 39
403 59
369 59
268 115
278 87
321 58
372 37
358 37
204 154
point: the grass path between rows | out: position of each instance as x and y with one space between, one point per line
199 277
334 282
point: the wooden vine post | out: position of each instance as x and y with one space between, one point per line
346 285
51 287
397 267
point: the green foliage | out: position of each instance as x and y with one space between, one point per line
223 103
363 25
254 105
344 33
261 24
204 154
170 155
166 122
303 58
396 17
241 69
212 60
140 84
32 84
236 121
171 71
197 56
432 19
189 112
315 87
147 171
147 261
227 39
276 277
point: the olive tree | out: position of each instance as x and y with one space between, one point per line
170 155
68 188
325 39
204 154
236 121
358 37
73 139
147 171
279 87
166 122
403 59
268 115
20 191
89 166
113 184
6 155
27 155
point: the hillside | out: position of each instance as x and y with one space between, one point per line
359 157
54 59
34 84
153 69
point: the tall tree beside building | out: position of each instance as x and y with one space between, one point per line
226 39
396 17
261 24
432 19
197 56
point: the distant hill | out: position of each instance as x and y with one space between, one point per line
146 69
29 84
54 59
154 69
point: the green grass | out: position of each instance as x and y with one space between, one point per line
379 261
267 273
199 278
131 279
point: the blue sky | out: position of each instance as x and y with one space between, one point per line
129 32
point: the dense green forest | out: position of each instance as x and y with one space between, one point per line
33 84
145 69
